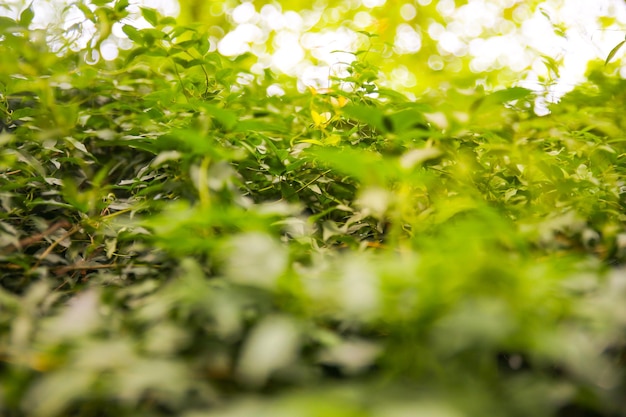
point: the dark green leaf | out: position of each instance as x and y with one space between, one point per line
121 5
370 115
614 51
406 120
501 97
134 54
26 17
133 34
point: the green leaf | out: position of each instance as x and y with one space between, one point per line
259 126
179 30
26 17
168 20
509 94
89 14
501 97
6 23
121 5
363 165
152 35
186 44
156 52
203 46
227 118
370 115
182 62
134 54
190 141
132 33
406 120
150 15
551 64
614 51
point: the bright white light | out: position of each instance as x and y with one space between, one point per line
450 42
363 19
272 17
238 41
293 21
323 45
446 7
477 28
275 90
243 13
231 45
109 50
165 7
373 3
477 13
435 30
289 52
403 77
317 77
517 48
407 40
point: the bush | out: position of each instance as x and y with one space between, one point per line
176 241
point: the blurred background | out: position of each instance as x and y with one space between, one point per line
419 44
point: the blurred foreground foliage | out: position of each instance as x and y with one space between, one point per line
177 239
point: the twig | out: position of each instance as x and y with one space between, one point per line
27 241
82 267
54 244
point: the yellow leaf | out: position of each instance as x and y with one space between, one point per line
313 141
317 118
333 140
320 120
338 101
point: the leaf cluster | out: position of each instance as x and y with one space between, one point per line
175 240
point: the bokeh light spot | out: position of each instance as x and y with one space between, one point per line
408 11
109 50
435 62
407 39
243 13
373 3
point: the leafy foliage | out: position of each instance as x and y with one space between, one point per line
177 241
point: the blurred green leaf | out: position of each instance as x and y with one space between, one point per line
151 15
132 33
613 52
501 97
26 17
366 114
184 233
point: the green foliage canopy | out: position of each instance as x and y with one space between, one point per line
175 240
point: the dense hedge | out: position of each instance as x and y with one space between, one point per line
176 241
